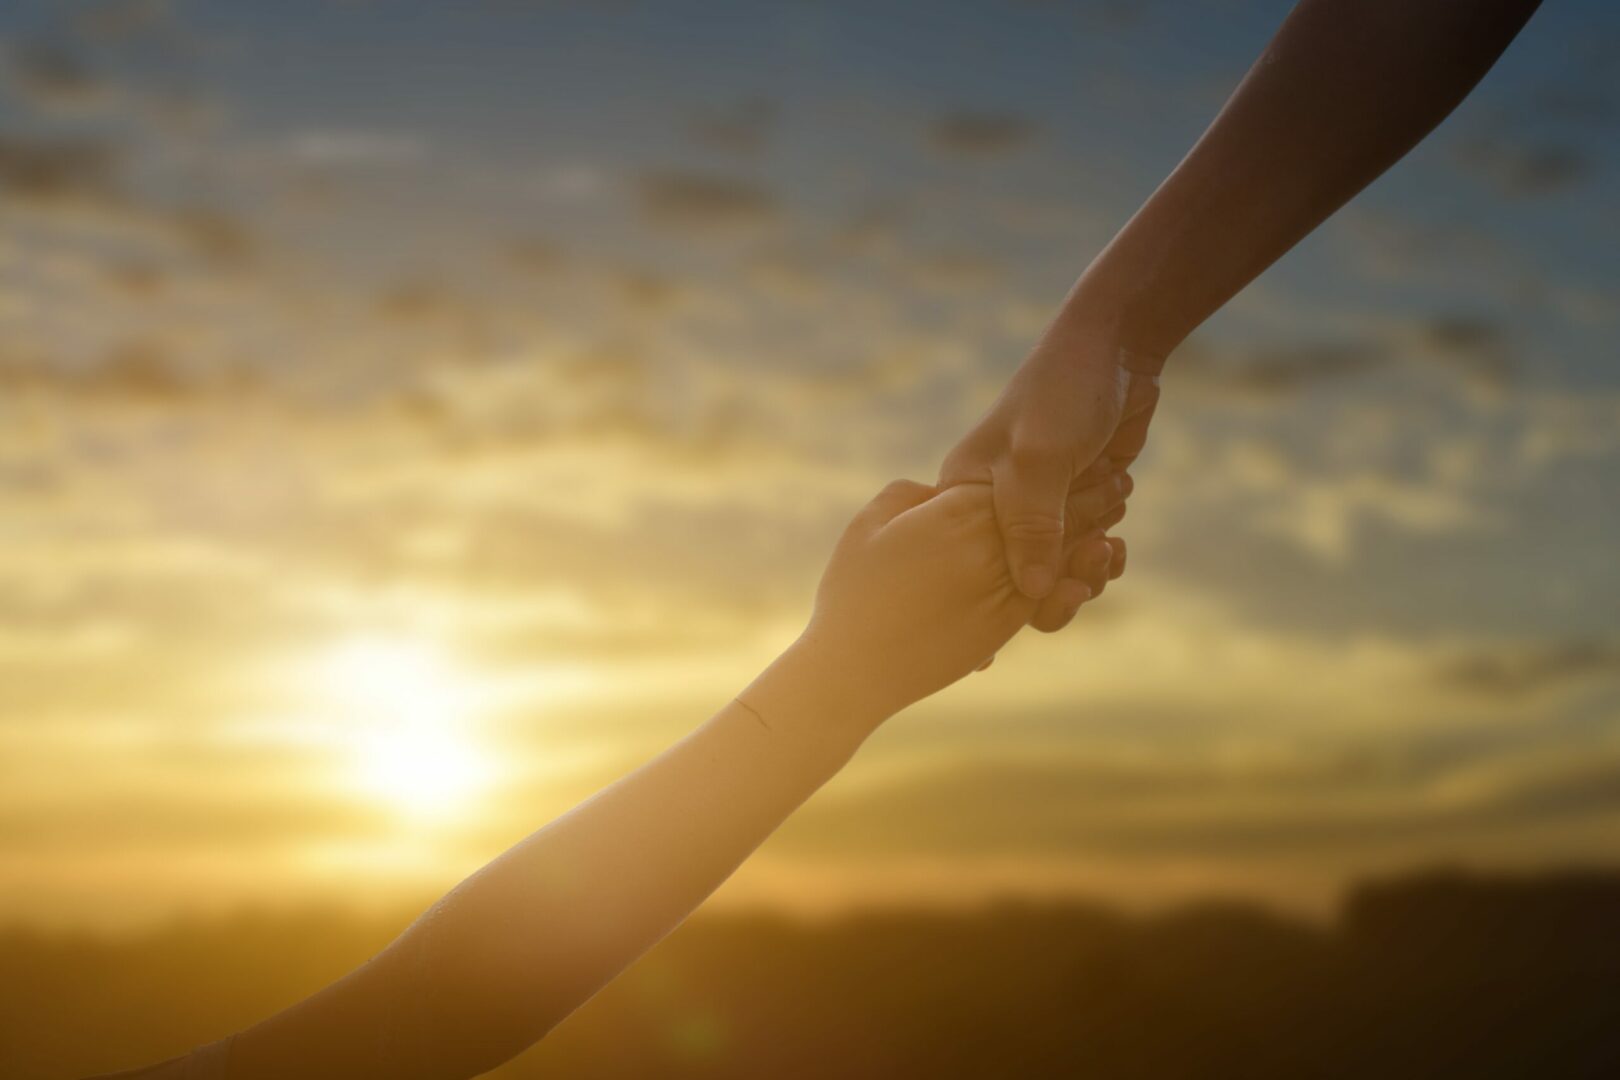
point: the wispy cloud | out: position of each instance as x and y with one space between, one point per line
974 134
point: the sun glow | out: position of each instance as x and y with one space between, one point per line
411 712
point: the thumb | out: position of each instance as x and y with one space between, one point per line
1029 496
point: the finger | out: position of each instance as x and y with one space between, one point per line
1116 565
1085 506
1077 529
1095 473
1113 517
1029 498
895 499
1087 567
1060 606
1099 562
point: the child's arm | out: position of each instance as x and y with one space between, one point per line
518 946
916 596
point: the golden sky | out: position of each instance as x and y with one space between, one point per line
411 415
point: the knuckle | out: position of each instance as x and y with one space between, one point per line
1033 448
967 502
897 487
1090 502
1053 617
1032 527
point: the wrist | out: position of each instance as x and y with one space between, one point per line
808 695
1112 320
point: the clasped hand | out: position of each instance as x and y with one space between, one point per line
928 582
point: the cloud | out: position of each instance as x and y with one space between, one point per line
136 371
705 202
1568 427
55 171
740 128
1277 371
872 229
133 372
1522 170
1207 808
156 821
648 292
413 301
218 238
1531 669
1323 514
79 183
980 135
953 271
357 148
536 256
54 79
1477 349
1386 247
120 20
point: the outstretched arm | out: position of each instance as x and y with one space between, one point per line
519 945
915 597
1342 92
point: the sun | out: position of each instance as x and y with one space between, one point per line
410 712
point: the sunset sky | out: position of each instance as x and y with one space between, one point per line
413 414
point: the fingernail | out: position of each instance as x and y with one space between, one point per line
1126 484
1037 581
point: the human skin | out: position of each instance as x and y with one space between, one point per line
916 596
1343 91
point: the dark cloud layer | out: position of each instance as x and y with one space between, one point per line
1276 371
975 134
1521 170
740 128
1479 352
51 77
1532 669
1081 808
705 202
55 170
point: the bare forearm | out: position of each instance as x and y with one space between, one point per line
544 927
522 943
1342 92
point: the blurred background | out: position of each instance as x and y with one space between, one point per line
413 415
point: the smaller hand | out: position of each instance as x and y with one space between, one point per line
917 593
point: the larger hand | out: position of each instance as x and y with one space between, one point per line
1076 410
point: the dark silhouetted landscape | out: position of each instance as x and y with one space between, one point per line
1438 974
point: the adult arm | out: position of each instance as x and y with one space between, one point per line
1343 90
